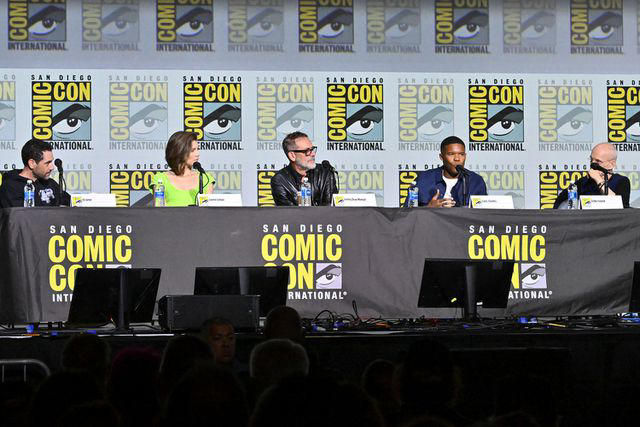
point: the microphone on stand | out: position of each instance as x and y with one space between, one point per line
465 188
197 166
461 170
62 185
599 168
606 173
327 165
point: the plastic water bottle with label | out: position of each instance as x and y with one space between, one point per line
29 194
158 194
305 192
572 192
413 195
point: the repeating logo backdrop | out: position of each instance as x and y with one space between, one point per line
377 84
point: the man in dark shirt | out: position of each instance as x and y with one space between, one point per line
443 187
37 157
285 184
605 155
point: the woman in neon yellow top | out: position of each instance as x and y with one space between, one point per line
181 183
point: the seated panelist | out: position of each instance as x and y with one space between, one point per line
38 160
444 187
603 156
285 184
181 182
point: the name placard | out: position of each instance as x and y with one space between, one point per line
354 200
93 200
491 202
601 202
219 200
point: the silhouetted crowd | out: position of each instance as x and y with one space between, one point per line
198 381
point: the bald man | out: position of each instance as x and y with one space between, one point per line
605 155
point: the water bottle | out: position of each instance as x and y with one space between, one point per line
158 194
573 196
413 195
305 192
29 194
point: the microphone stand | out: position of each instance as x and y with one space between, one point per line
606 184
465 196
62 185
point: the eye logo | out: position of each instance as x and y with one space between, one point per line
435 122
47 22
335 26
71 122
328 276
220 122
147 120
529 27
533 276
109 23
32 21
471 28
255 25
596 27
504 122
392 27
266 26
364 124
191 24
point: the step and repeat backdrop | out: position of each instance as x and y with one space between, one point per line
530 85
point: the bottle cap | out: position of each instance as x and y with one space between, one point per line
29 181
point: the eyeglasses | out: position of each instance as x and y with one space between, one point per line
306 151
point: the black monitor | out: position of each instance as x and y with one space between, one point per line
270 283
465 283
119 295
634 300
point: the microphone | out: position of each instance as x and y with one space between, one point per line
460 169
465 186
62 185
327 165
197 166
599 168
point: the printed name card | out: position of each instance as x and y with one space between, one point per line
93 200
219 200
601 202
491 202
355 200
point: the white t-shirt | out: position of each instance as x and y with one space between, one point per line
451 182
